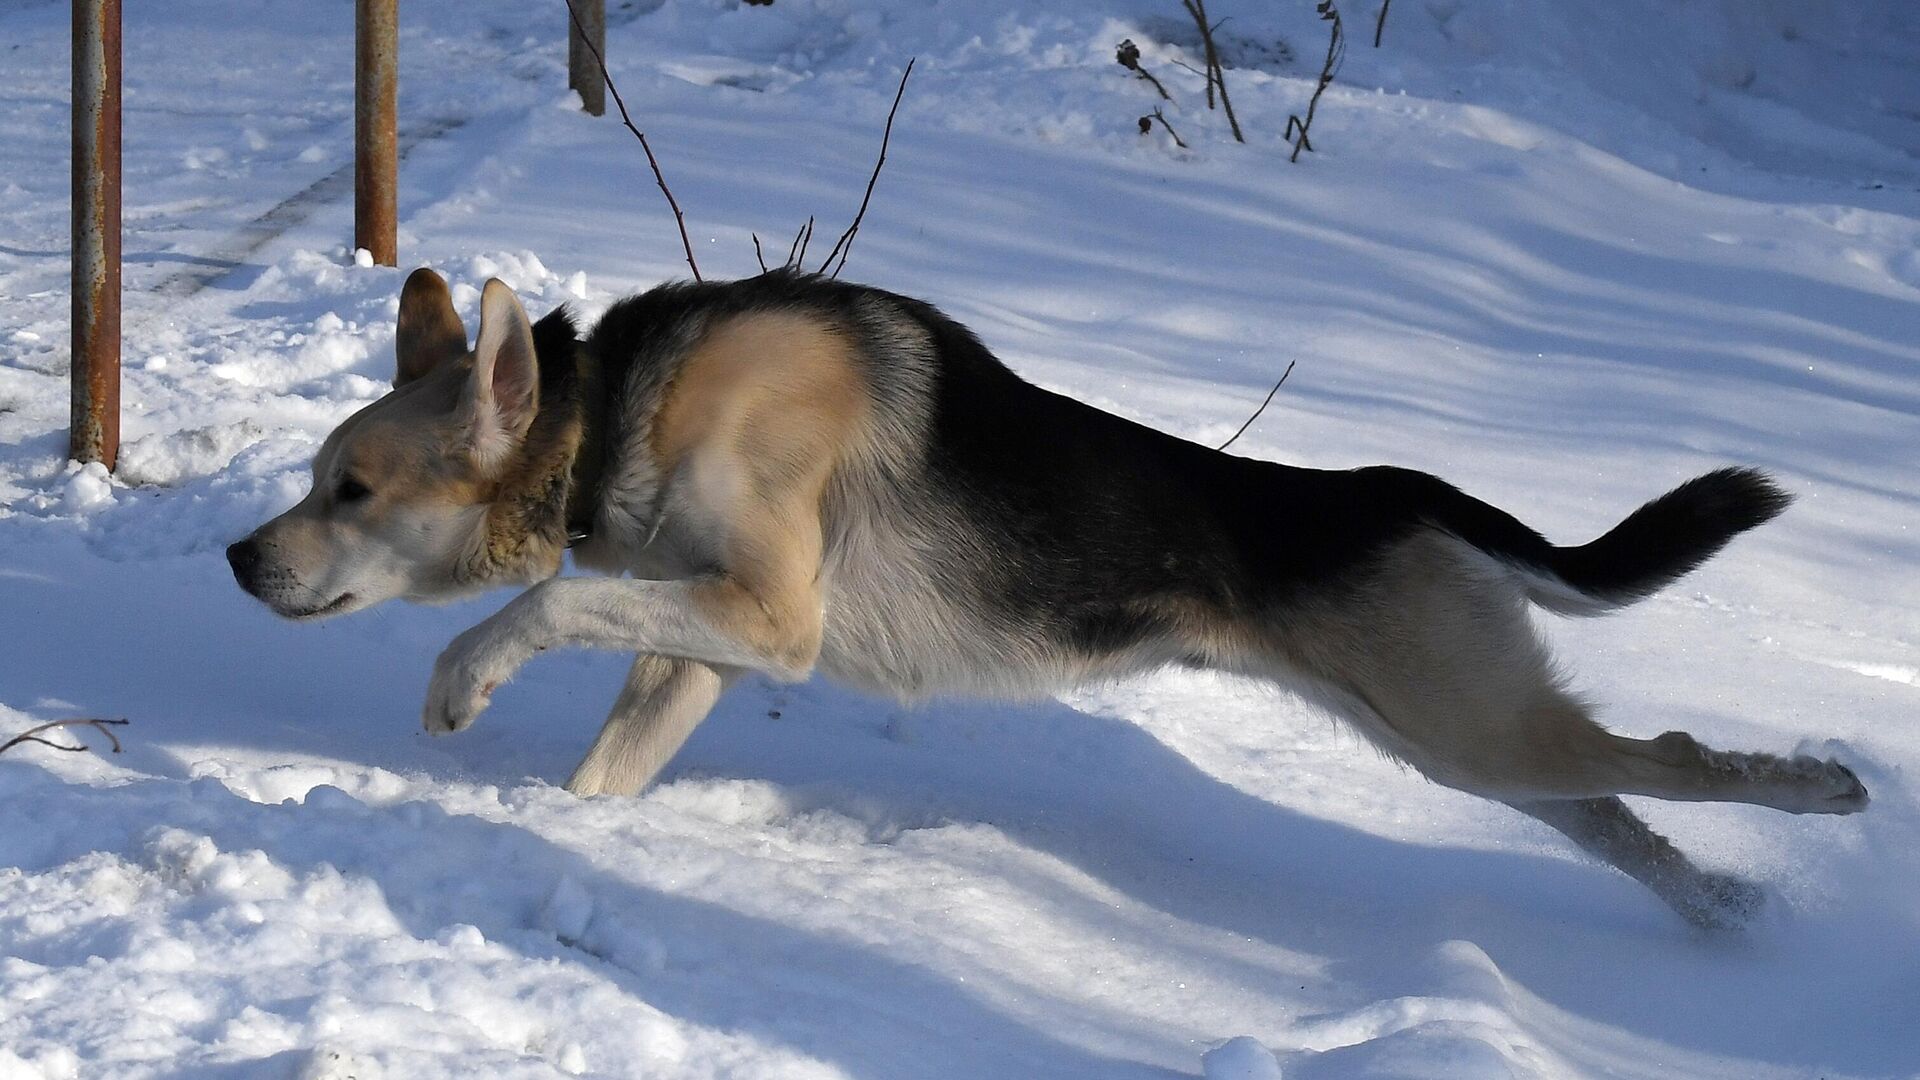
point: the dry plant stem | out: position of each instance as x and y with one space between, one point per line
1220 77
797 251
1129 56
1217 74
1380 24
1336 48
1182 63
1147 75
33 734
1208 73
757 256
1263 406
679 218
1146 124
844 246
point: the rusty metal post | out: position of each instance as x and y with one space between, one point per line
375 127
583 71
94 427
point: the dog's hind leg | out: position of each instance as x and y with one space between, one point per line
1554 750
1606 829
663 700
1676 766
1439 665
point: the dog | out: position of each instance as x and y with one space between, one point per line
805 475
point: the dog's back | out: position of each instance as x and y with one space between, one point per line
986 535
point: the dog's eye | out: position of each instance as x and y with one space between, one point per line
350 491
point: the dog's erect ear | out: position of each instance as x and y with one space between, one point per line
506 375
429 332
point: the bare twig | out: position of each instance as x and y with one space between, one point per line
1380 24
1198 9
844 246
1263 406
1336 50
797 251
679 218
1129 57
1146 125
1208 64
32 735
1177 62
757 256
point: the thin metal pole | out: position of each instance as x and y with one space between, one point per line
583 69
375 127
94 430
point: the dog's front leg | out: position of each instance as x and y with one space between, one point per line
716 621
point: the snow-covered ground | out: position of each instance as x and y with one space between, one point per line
1564 254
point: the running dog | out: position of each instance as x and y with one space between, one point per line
804 475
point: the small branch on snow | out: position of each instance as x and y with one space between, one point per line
1263 406
1336 50
1179 63
32 735
1216 74
844 246
679 218
1146 125
1129 57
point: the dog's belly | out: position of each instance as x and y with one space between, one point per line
909 642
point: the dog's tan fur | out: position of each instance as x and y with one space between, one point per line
763 412
762 492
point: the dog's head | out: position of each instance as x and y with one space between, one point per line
402 489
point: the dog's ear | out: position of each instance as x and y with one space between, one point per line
505 392
429 332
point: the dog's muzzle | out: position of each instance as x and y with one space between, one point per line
253 569
245 559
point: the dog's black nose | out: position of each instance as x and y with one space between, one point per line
244 557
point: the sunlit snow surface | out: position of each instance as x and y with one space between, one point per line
1564 254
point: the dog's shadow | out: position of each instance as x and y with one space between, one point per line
1106 797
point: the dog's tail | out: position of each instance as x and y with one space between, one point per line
1654 547
1657 544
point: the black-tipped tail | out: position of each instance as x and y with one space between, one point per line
1659 543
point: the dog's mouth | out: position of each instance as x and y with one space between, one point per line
332 607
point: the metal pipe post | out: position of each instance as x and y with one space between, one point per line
94 427
375 127
583 71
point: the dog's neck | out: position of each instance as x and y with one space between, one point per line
590 451
545 501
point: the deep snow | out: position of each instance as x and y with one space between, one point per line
1565 255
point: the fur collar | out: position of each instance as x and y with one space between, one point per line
544 502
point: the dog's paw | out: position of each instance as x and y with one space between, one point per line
607 774
587 782
458 692
1849 795
1826 787
1721 902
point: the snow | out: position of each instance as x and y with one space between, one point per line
1240 1058
1565 255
